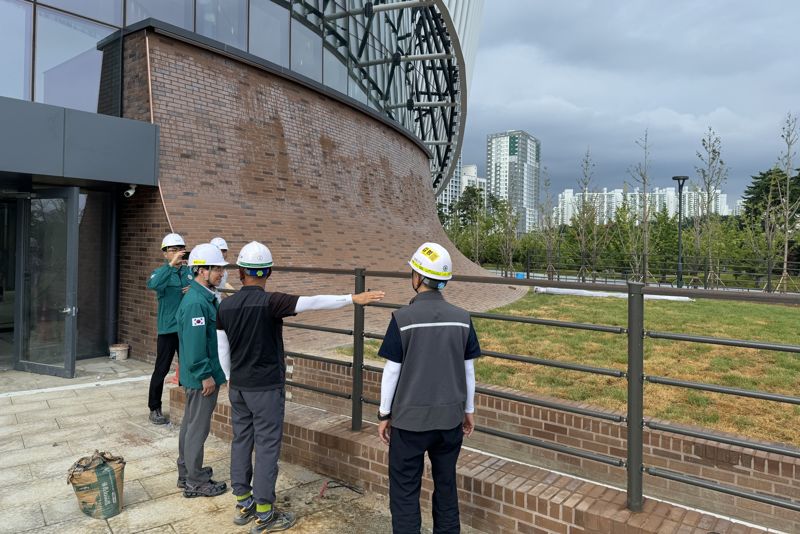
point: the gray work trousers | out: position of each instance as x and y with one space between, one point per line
195 426
257 419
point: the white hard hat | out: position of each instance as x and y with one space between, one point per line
206 255
254 255
432 260
172 240
219 243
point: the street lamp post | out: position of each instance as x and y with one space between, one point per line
680 180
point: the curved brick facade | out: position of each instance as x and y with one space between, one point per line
247 154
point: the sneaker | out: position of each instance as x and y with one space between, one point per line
206 489
206 469
273 521
245 511
157 418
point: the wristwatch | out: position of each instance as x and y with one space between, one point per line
382 417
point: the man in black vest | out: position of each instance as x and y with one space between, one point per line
427 394
250 338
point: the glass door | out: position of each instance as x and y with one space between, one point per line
48 309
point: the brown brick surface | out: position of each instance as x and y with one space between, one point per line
249 155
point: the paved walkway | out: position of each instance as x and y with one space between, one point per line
43 433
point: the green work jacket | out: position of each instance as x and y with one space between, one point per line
168 283
197 332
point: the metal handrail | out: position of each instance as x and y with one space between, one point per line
634 375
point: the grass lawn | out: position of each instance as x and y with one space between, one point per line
775 372
731 366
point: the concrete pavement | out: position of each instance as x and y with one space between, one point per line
43 432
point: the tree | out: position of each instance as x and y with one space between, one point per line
626 238
590 235
761 224
550 228
712 172
640 173
471 217
505 229
788 205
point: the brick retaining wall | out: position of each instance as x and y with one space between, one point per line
496 495
726 464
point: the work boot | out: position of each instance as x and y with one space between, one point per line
207 469
273 521
206 489
157 418
245 511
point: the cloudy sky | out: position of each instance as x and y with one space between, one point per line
596 74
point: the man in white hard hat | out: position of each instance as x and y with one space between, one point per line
200 371
251 352
170 282
428 407
222 245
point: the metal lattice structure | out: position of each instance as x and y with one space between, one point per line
406 62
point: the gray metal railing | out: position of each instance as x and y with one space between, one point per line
635 376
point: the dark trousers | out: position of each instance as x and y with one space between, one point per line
406 461
166 348
257 421
195 426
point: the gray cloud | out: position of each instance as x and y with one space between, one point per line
597 74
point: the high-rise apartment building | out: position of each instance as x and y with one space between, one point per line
512 173
608 201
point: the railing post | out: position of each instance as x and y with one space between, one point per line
358 351
635 393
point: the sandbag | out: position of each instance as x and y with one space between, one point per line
97 481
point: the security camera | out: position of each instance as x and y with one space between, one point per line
130 191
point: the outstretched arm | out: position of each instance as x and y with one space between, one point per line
333 302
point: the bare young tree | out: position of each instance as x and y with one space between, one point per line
640 173
550 227
762 230
506 226
712 172
628 236
590 234
788 205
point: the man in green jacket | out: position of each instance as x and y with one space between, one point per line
200 372
170 282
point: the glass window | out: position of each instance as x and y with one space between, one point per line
15 44
306 51
269 31
335 72
177 12
109 11
223 20
68 63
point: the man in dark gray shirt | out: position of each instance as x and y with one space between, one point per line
427 394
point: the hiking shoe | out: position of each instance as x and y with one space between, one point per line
157 418
206 489
245 511
206 469
273 521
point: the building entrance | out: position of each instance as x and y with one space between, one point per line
8 243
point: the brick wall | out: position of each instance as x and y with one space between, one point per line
249 155
496 496
726 464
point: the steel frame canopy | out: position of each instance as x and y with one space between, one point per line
406 61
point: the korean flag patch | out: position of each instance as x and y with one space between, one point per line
198 321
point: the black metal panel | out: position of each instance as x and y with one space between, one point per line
99 147
31 137
51 141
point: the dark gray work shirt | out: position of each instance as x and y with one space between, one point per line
253 321
431 338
